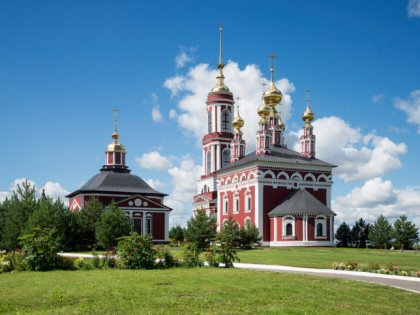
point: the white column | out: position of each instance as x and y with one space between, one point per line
204 162
213 160
143 222
275 229
331 229
219 154
166 226
259 207
218 209
219 118
213 118
329 197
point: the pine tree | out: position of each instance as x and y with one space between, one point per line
231 229
177 233
360 233
89 217
249 235
343 235
113 225
200 230
380 232
404 233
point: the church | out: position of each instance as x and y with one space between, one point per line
143 206
284 193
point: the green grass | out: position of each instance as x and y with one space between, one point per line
324 257
204 291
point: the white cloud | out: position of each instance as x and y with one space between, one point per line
245 83
155 183
172 114
358 156
156 114
411 107
153 160
184 56
377 197
413 8
377 98
52 190
184 181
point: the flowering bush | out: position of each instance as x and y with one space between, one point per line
6 263
374 267
351 265
418 273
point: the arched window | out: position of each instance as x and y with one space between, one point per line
289 229
319 229
226 157
225 121
208 162
209 120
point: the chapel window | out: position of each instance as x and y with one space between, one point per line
226 157
225 121
289 229
209 121
319 229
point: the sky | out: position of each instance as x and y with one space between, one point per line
65 65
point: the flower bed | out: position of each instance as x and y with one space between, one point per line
376 268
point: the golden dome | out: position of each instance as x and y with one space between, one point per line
238 123
264 111
281 124
308 115
272 96
115 147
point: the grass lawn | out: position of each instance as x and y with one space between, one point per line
206 290
324 257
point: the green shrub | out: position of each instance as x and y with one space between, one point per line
166 259
136 251
40 250
96 262
68 263
191 256
223 249
79 263
249 235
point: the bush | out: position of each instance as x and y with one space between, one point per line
68 263
200 230
223 250
40 250
136 251
249 235
166 260
191 256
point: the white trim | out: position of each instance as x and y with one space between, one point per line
213 158
320 219
288 219
219 163
236 204
331 229
259 208
275 229
213 119
219 120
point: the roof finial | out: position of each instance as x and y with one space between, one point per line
115 135
238 122
272 64
308 115
308 99
220 56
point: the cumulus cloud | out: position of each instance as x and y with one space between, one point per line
193 87
184 182
413 8
184 56
377 197
52 190
155 183
156 114
358 156
377 98
172 114
155 161
411 107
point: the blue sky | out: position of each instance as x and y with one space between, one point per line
64 67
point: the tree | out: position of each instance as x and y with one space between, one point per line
360 233
380 232
404 233
231 230
177 233
89 217
249 235
16 212
200 230
112 226
343 235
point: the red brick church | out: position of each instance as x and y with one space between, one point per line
286 194
142 204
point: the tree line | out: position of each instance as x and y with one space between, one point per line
403 234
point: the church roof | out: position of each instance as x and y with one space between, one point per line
117 182
300 202
279 155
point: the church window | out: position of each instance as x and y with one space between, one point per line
236 205
225 205
248 204
149 225
289 229
137 225
226 157
225 121
208 162
319 229
209 120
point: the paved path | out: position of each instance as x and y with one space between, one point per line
406 283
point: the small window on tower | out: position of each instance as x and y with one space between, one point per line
208 162
209 120
226 157
225 121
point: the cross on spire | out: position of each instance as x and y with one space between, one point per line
263 85
308 91
272 57
115 110
220 56
237 101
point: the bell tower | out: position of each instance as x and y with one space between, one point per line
308 139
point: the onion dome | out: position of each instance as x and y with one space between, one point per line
308 115
220 86
263 111
272 96
281 124
238 123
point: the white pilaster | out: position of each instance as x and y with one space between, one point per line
213 118
331 229
275 229
143 222
213 158
219 154
204 162
219 118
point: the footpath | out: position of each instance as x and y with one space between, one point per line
406 283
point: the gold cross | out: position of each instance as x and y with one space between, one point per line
263 85
237 101
115 110
272 59
308 90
